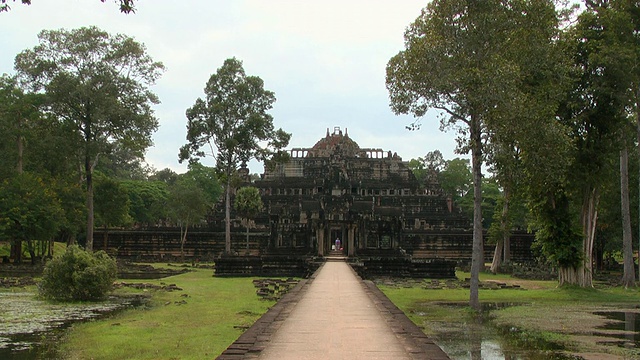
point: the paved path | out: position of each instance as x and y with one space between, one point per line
335 320
335 315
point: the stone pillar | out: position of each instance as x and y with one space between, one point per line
351 242
320 236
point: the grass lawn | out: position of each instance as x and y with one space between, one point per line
198 322
540 310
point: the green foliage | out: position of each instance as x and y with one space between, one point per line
206 179
248 202
418 169
233 122
111 203
20 114
29 209
187 202
557 234
455 178
233 119
147 200
97 85
78 275
165 175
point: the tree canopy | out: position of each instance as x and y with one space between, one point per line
98 86
462 58
232 124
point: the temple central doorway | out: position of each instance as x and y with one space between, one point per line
336 233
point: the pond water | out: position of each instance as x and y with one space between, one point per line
29 327
623 328
479 339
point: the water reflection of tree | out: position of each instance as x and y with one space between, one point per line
475 336
630 327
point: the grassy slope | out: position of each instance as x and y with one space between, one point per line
201 328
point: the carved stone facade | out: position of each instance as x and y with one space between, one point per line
388 223
367 198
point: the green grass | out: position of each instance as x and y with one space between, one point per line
540 311
215 311
534 291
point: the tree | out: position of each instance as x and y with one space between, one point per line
248 204
148 201
233 125
165 175
594 112
19 111
460 58
112 203
29 211
97 84
187 205
456 178
205 178
126 6
428 168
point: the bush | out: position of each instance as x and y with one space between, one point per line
78 275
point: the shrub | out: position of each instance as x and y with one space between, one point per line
78 275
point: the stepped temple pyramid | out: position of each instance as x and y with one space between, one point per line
388 223
367 198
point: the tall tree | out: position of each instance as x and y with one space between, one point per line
233 125
460 59
594 111
18 112
98 84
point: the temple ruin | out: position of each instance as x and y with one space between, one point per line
387 221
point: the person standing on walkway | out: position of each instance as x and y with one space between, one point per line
338 244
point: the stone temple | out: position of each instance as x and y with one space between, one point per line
388 223
367 198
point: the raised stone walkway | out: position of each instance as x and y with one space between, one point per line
334 315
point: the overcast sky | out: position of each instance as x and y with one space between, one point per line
325 61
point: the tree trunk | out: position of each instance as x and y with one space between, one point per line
16 246
16 251
506 234
497 256
637 108
20 147
629 276
88 173
477 255
590 218
183 240
227 216
504 230
582 275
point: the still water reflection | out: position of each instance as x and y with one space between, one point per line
29 327
479 339
623 328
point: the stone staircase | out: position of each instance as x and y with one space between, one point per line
336 255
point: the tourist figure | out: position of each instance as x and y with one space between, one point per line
338 244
